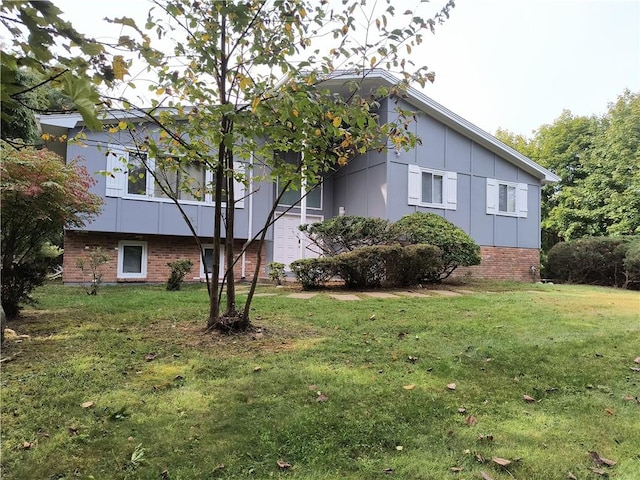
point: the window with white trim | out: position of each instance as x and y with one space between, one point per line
127 177
432 188
132 259
507 198
208 261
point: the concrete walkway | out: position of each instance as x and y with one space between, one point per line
356 296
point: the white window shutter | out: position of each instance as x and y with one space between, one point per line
239 189
451 190
116 177
415 183
492 196
521 200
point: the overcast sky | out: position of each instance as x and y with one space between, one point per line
514 64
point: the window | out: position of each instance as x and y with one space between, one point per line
208 261
186 183
127 177
292 197
137 178
506 198
132 259
432 188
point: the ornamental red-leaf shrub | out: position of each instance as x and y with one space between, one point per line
40 195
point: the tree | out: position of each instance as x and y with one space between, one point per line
228 102
58 55
598 162
40 196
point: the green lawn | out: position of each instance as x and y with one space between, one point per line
336 390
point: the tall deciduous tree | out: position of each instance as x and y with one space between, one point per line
228 102
598 162
40 195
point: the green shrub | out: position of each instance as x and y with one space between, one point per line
348 232
416 265
276 272
632 264
313 272
457 248
179 268
589 260
390 265
365 267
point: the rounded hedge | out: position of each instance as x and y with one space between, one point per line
458 248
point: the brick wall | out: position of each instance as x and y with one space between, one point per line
504 263
160 251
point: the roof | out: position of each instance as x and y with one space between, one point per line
377 77
369 79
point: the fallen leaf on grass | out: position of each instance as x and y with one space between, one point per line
462 410
27 445
486 476
503 462
257 369
283 465
457 469
634 369
410 386
399 448
599 461
637 360
609 411
452 386
89 404
488 438
571 476
528 399
313 387
322 398
150 356
471 420
480 458
388 471
599 471
164 473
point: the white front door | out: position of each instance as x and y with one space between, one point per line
287 239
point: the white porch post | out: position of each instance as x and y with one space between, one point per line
303 208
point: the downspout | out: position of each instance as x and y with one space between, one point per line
250 229
303 207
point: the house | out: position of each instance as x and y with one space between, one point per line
459 171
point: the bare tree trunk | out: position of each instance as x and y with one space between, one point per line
230 237
214 303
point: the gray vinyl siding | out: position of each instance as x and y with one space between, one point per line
446 149
153 216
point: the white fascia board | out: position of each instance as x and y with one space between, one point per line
65 120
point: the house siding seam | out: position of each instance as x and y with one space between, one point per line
504 263
161 249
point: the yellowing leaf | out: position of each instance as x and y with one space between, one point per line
373 61
295 112
318 132
122 125
411 386
160 91
337 121
255 103
88 404
119 66
113 130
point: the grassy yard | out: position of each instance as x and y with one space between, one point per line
126 385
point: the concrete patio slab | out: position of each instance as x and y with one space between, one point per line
413 294
379 295
445 293
345 297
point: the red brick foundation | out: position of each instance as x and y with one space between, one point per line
160 250
504 263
